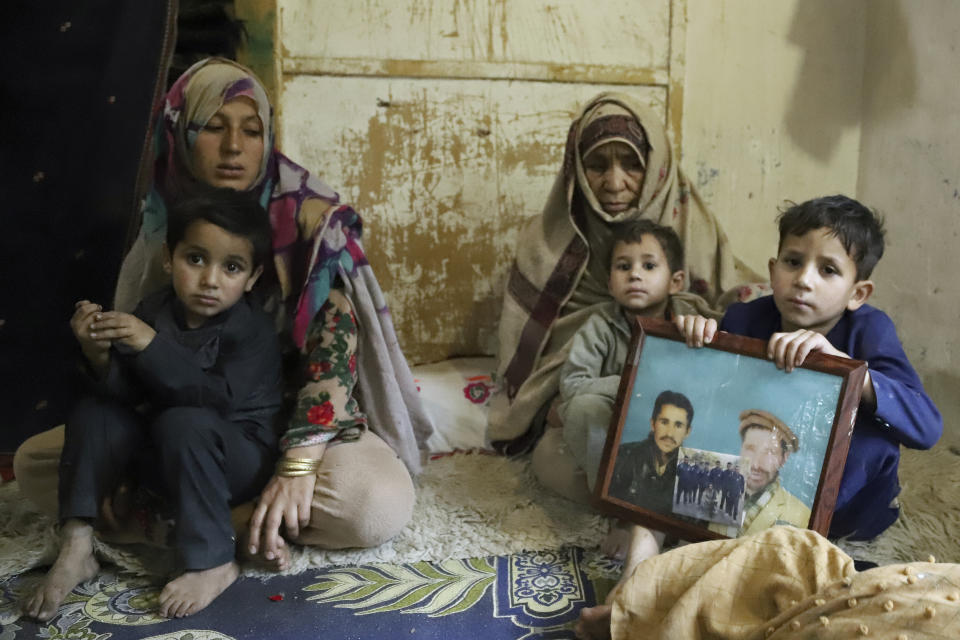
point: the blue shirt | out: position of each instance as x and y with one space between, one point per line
905 415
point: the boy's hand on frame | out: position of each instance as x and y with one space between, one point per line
696 330
124 328
789 350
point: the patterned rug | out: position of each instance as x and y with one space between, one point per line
462 568
425 583
525 595
468 506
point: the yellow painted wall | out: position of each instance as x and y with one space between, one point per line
444 173
910 171
772 109
444 124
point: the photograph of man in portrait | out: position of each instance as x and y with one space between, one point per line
774 426
766 444
646 471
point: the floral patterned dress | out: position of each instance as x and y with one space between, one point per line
326 408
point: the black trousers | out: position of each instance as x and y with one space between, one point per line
201 463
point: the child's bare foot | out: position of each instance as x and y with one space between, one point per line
194 590
634 545
644 544
617 542
75 564
594 623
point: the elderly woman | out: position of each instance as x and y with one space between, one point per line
618 167
354 427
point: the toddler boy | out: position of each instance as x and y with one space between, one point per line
646 269
820 279
186 391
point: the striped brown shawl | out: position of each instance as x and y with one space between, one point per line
554 285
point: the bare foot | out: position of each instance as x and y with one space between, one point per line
617 542
644 544
75 564
194 590
594 623
634 544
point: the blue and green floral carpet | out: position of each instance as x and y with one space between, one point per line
460 569
525 595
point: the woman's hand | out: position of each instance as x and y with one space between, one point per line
124 328
286 502
97 351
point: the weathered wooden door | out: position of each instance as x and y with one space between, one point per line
443 122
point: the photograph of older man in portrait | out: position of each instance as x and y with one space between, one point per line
766 445
710 486
645 472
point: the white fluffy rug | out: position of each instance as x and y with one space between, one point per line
929 521
472 505
468 505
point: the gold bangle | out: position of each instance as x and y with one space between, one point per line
296 467
283 473
295 463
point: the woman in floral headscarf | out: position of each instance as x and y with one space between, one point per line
344 476
618 167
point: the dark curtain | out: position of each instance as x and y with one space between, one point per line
78 81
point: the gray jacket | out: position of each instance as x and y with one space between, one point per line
597 354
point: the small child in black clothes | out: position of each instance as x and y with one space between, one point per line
187 388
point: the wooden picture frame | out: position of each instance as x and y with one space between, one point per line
786 433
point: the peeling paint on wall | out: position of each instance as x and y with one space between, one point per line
602 32
444 124
444 173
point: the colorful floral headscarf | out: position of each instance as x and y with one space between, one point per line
306 268
282 185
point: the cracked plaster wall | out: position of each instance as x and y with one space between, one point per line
407 108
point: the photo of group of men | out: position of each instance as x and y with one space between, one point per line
709 486
734 493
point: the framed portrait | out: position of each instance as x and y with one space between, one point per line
716 442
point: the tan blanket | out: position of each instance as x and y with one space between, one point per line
784 584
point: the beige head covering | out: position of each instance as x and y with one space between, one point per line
766 420
608 122
560 275
208 89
